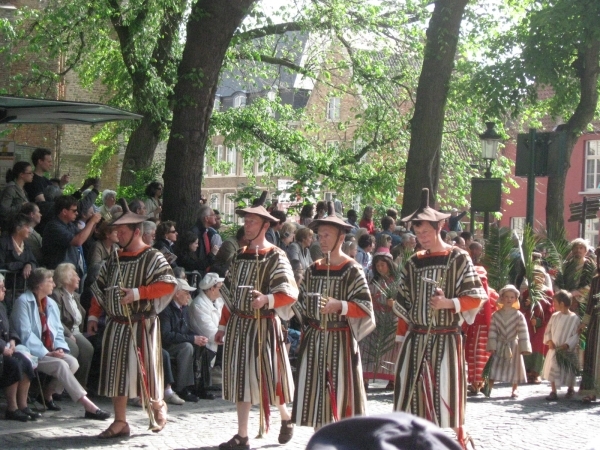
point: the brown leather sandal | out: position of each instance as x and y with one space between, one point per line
110 433
286 432
588 399
236 443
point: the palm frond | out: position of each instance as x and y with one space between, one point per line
528 246
567 361
485 375
557 248
497 259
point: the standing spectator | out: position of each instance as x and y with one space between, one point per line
42 162
287 234
34 240
350 249
109 198
13 196
468 237
153 203
363 253
203 229
273 232
367 220
321 210
352 218
459 242
454 220
138 207
15 254
72 316
388 225
299 250
393 213
228 250
62 240
149 233
17 369
36 318
306 214
181 342
106 244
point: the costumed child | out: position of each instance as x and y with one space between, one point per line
562 339
508 341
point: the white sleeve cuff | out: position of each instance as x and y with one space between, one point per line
136 294
222 327
456 304
399 338
344 308
271 301
92 319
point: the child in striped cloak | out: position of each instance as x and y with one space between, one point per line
508 341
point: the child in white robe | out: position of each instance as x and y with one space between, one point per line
562 338
508 341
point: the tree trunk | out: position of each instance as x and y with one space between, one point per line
140 149
588 60
427 123
210 28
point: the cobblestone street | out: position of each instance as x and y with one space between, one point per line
529 422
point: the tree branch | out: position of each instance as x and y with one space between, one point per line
269 30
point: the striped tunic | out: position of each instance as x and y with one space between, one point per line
118 368
240 361
332 355
509 339
590 377
562 329
437 389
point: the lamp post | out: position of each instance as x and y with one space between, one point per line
489 150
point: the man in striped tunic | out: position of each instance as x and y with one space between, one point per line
257 369
439 289
330 379
138 283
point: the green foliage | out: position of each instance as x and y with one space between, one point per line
498 259
557 248
142 179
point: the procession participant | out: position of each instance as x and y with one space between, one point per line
272 291
590 377
576 275
430 374
330 379
146 286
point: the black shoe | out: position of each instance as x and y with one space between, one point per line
17 414
98 415
206 395
33 415
187 396
50 405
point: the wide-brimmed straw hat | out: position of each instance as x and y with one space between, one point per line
258 209
126 217
331 220
425 212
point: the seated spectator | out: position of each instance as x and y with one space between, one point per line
153 204
106 244
468 237
72 315
17 372
109 198
13 196
272 234
15 254
185 249
36 318
205 313
306 214
42 162
350 249
148 232
383 240
227 251
206 248
182 343
216 239
137 206
166 236
34 240
299 249
287 235
363 253
62 240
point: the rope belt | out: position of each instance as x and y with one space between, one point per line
422 329
244 315
338 325
138 317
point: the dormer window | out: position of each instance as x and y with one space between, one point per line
239 101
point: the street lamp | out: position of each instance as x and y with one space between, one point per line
489 150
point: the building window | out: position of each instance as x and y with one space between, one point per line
517 224
217 105
333 109
218 158
228 207
239 101
232 161
592 165
591 231
214 201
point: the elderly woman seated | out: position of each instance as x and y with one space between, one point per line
36 318
17 373
72 315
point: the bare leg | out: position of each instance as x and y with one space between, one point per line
243 413
11 396
553 385
22 391
284 412
88 405
514 389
